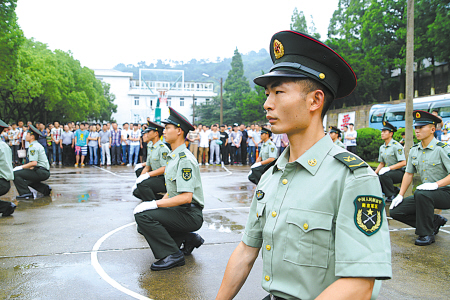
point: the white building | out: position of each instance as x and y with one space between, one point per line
136 100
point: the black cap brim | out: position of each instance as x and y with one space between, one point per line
422 123
265 79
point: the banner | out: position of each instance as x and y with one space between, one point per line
346 118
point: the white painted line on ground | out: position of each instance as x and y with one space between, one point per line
215 176
111 172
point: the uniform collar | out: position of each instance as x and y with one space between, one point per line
431 145
173 154
311 159
391 142
157 144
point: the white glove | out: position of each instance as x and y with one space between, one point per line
133 188
137 166
397 200
147 205
429 186
383 170
255 165
142 178
18 168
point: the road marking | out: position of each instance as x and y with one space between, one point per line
110 172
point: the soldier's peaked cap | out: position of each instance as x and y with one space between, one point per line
422 118
154 126
388 126
298 55
3 124
35 130
266 130
178 120
335 129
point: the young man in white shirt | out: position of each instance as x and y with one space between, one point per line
204 145
56 133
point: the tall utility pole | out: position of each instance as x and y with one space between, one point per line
409 80
193 109
221 102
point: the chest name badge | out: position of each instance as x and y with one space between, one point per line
368 214
187 173
259 194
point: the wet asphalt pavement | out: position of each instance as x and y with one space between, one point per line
81 243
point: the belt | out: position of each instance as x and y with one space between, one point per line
41 168
272 297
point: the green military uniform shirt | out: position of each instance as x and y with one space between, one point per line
305 216
6 171
391 154
157 155
339 143
37 153
182 175
432 162
268 149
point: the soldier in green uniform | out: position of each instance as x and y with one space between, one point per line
335 134
168 223
37 170
6 174
267 156
431 159
150 184
317 214
392 162
140 167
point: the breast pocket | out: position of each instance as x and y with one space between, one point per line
433 164
308 237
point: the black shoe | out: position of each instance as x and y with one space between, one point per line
48 191
25 196
425 240
9 210
438 223
193 241
168 262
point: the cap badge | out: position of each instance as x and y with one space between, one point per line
417 115
384 123
278 49
322 76
312 162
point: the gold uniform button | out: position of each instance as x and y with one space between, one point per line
426 178
285 181
305 226
423 152
274 214
257 215
268 247
267 278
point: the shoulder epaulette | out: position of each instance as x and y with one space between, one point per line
182 155
162 145
415 145
441 144
351 161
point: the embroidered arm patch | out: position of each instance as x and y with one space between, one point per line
368 213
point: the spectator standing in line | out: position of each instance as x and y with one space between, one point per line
135 144
230 155
350 137
93 144
67 142
105 143
244 145
115 146
80 137
284 142
56 133
344 133
125 144
251 148
214 137
13 137
445 137
49 143
257 140
276 139
194 138
438 132
236 139
203 146
224 145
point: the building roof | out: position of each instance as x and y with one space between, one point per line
112 73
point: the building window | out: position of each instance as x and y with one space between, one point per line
136 101
151 103
207 99
169 102
181 101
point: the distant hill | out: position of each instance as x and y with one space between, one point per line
254 64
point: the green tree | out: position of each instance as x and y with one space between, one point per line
298 21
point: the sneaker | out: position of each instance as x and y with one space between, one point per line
76 165
53 163
129 165
82 165
60 163
206 164
199 164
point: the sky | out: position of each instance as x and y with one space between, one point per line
102 34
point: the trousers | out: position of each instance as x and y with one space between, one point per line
115 155
150 189
57 152
388 179
31 177
106 154
200 154
4 188
166 228
225 150
215 153
418 210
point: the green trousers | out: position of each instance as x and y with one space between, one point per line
31 177
4 188
388 180
418 210
166 228
150 189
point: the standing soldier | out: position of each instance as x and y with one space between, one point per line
431 159
269 153
168 223
150 183
6 175
37 170
138 168
392 162
335 134
317 213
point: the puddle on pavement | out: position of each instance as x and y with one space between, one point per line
221 223
240 193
